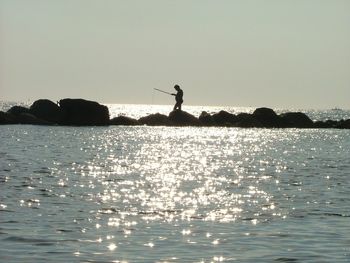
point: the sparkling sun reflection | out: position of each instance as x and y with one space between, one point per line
176 175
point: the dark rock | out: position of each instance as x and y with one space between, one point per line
322 124
123 120
17 110
47 110
332 123
327 124
206 119
156 120
7 118
27 118
183 118
297 120
344 124
246 120
224 118
268 118
83 112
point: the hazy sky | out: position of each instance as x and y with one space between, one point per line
275 53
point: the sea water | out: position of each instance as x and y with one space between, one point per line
171 194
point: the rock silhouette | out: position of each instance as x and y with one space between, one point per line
206 119
80 112
156 119
297 120
23 115
183 118
47 110
7 118
123 120
28 118
268 118
246 120
344 124
17 110
224 118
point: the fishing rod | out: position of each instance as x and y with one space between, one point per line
164 91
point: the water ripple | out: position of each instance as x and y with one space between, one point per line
158 194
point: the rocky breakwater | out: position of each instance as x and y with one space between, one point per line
267 118
260 118
71 112
79 112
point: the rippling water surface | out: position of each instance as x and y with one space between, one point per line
165 194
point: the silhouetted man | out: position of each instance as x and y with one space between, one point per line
178 97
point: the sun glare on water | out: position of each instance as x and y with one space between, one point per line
180 174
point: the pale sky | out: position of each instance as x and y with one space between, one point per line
274 53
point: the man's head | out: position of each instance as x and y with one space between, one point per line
177 87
